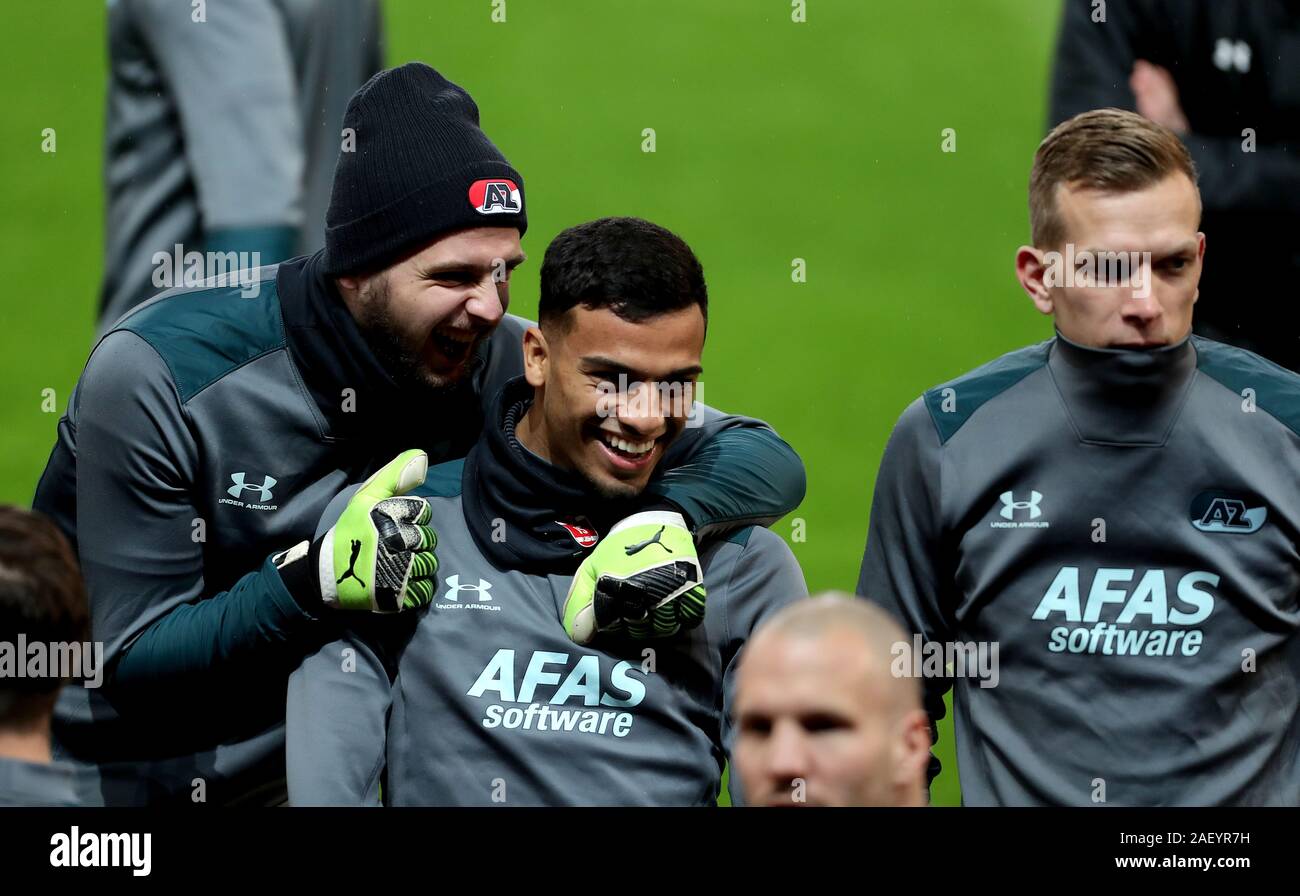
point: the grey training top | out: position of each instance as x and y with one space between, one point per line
490 702
1124 526
222 134
39 784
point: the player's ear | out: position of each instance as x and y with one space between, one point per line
1031 271
536 357
1200 264
349 287
913 751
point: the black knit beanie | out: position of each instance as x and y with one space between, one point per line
421 168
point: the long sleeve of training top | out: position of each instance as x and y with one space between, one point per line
336 726
907 568
729 472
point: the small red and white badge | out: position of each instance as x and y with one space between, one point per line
495 196
584 536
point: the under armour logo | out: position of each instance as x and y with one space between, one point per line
241 486
1010 505
454 586
1231 54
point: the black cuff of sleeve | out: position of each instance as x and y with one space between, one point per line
664 504
302 580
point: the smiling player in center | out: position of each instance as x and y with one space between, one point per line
483 697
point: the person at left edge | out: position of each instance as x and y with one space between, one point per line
43 605
209 431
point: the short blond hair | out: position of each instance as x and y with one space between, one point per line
1111 150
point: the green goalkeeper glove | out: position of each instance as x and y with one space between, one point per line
379 555
643 578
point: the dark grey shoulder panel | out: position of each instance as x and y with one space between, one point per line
972 390
443 480
741 536
1276 389
205 333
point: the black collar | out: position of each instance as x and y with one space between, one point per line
523 512
1122 396
328 348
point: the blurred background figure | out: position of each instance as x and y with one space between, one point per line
1225 76
223 126
42 599
821 720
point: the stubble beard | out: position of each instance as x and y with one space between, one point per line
405 365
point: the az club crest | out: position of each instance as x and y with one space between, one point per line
1219 511
495 196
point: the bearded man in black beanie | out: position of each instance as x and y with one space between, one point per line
209 431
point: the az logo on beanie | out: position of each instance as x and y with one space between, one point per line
495 197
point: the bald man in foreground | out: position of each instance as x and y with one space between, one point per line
821 719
